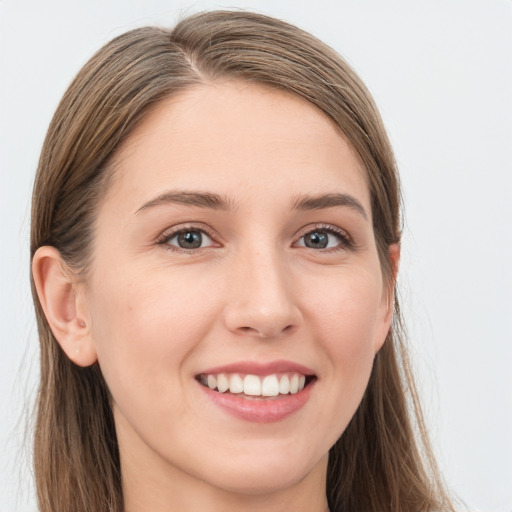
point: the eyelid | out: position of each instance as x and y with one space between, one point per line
173 231
346 241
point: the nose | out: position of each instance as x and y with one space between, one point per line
261 299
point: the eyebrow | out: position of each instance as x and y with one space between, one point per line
307 202
213 201
199 199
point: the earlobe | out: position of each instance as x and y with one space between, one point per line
388 299
62 307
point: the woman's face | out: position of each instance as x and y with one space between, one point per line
235 247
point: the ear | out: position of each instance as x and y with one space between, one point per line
388 296
63 306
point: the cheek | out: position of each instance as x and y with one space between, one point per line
348 311
346 320
144 328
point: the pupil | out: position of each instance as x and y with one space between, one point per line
316 240
190 240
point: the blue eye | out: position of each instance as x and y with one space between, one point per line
188 239
323 239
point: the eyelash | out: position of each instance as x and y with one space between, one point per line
165 237
345 242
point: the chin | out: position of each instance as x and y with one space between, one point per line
258 481
264 475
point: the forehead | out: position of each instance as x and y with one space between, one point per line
238 139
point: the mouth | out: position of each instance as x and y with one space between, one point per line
258 392
251 386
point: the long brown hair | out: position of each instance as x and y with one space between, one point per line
383 461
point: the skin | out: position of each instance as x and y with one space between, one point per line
155 316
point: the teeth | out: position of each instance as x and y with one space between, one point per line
270 386
236 384
222 383
294 384
253 385
284 385
212 381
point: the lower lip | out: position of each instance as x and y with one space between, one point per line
260 410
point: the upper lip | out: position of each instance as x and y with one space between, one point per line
258 368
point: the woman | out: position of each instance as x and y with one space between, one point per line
215 242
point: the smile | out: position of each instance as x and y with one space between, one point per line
262 392
250 385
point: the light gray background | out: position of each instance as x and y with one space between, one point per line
441 73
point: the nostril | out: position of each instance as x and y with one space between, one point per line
266 332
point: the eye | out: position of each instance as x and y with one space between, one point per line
324 238
187 239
